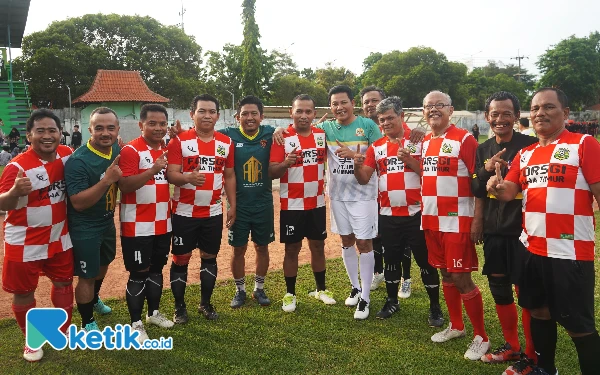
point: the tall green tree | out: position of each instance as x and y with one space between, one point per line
224 72
573 65
70 52
288 86
479 87
330 76
252 70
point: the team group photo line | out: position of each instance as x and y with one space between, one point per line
526 194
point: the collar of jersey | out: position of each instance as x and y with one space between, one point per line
250 137
102 155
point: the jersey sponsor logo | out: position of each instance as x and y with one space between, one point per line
446 148
191 149
393 164
148 160
263 143
221 150
41 177
360 132
111 198
253 170
567 236
292 144
562 153
206 163
346 167
320 142
53 190
239 145
411 148
436 163
544 173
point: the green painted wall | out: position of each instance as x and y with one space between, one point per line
124 110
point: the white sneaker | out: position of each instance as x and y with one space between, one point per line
362 310
139 326
477 349
405 289
378 278
448 334
31 355
159 319
289 303
323 295
353 298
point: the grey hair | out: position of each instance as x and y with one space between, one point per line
448 98
393 102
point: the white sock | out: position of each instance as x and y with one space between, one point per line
367 264
259 282
351 262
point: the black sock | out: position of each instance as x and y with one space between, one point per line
392 279
406 263
378 253
588 351
431 280
290 284
544 335
97 286
208 279
320 280
135 294
86 310
178 283
154 287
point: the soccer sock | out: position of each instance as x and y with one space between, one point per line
454 304
259 282
367 262
86 310
320 280
240 284
178 283
351 263
526 322
474 306
431 280
135 294
509 320
378 253
154 287
406 263
544 337
97 286
208 279
588 351
290 284
392 279
20 312
62 297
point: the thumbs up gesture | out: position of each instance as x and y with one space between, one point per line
160 163
22 186
113 172
196 178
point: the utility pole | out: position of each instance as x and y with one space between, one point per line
181 14
519 58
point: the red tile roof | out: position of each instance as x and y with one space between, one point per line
119 86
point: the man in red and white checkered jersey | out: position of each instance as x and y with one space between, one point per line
200 165
36 236
299 163
448 208
145 213
397 162
559 178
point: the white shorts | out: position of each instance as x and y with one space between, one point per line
359 217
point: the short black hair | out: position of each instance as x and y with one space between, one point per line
562 97
152 108
338 90
524 122
503 95
372 88
250 99
204 98
76 126
304 97
5 148
103 111
39 114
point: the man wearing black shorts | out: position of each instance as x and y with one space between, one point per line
300 165
145 212
500 223
559 178
200 165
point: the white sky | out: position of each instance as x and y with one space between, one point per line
345 32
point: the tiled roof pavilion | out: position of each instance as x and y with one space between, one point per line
119 86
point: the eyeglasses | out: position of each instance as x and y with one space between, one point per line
436 105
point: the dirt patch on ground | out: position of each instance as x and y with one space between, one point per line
116 279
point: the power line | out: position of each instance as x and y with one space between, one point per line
519 58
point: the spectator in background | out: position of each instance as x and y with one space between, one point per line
76 138
475 131
524 127
15 151
13 138
5 156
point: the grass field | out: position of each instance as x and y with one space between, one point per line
316 339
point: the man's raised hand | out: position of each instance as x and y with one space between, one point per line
175 130
343 151
196 178
291 158
22 186
113 172
160 163
495 184
490 165
359 159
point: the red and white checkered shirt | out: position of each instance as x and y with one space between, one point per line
558 217
146 211
302 186
213 157
37 229
447 166
399 186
